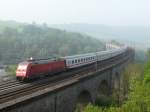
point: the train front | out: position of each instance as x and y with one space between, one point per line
22 71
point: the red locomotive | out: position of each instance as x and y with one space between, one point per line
35 68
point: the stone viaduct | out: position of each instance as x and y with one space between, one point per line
81 92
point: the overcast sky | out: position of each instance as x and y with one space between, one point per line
109 12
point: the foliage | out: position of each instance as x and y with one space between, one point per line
147 73
91 108
147 69
105 101
115 42
140 56
11 69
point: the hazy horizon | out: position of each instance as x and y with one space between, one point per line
108 12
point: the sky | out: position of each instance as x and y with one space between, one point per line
108 12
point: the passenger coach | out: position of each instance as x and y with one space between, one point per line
80 60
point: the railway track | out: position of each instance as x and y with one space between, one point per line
6 92
13 89
9 84
8 80
30 88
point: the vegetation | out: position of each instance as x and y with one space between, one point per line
11 69
140 56
115 42
134 94
21 41
127 34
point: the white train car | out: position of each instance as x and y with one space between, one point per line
80 60
103 55
116 52
89 58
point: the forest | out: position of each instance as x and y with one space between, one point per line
19 41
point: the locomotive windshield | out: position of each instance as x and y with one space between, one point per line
22 67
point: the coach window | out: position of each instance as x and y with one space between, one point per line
68 62
76 61
82 60
72 61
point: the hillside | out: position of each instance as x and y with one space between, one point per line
135 35
10 24
20 41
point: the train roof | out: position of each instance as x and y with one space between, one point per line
37 61
103 52
80 55
24 63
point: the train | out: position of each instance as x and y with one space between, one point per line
35 68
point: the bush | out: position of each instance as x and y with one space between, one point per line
11 69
